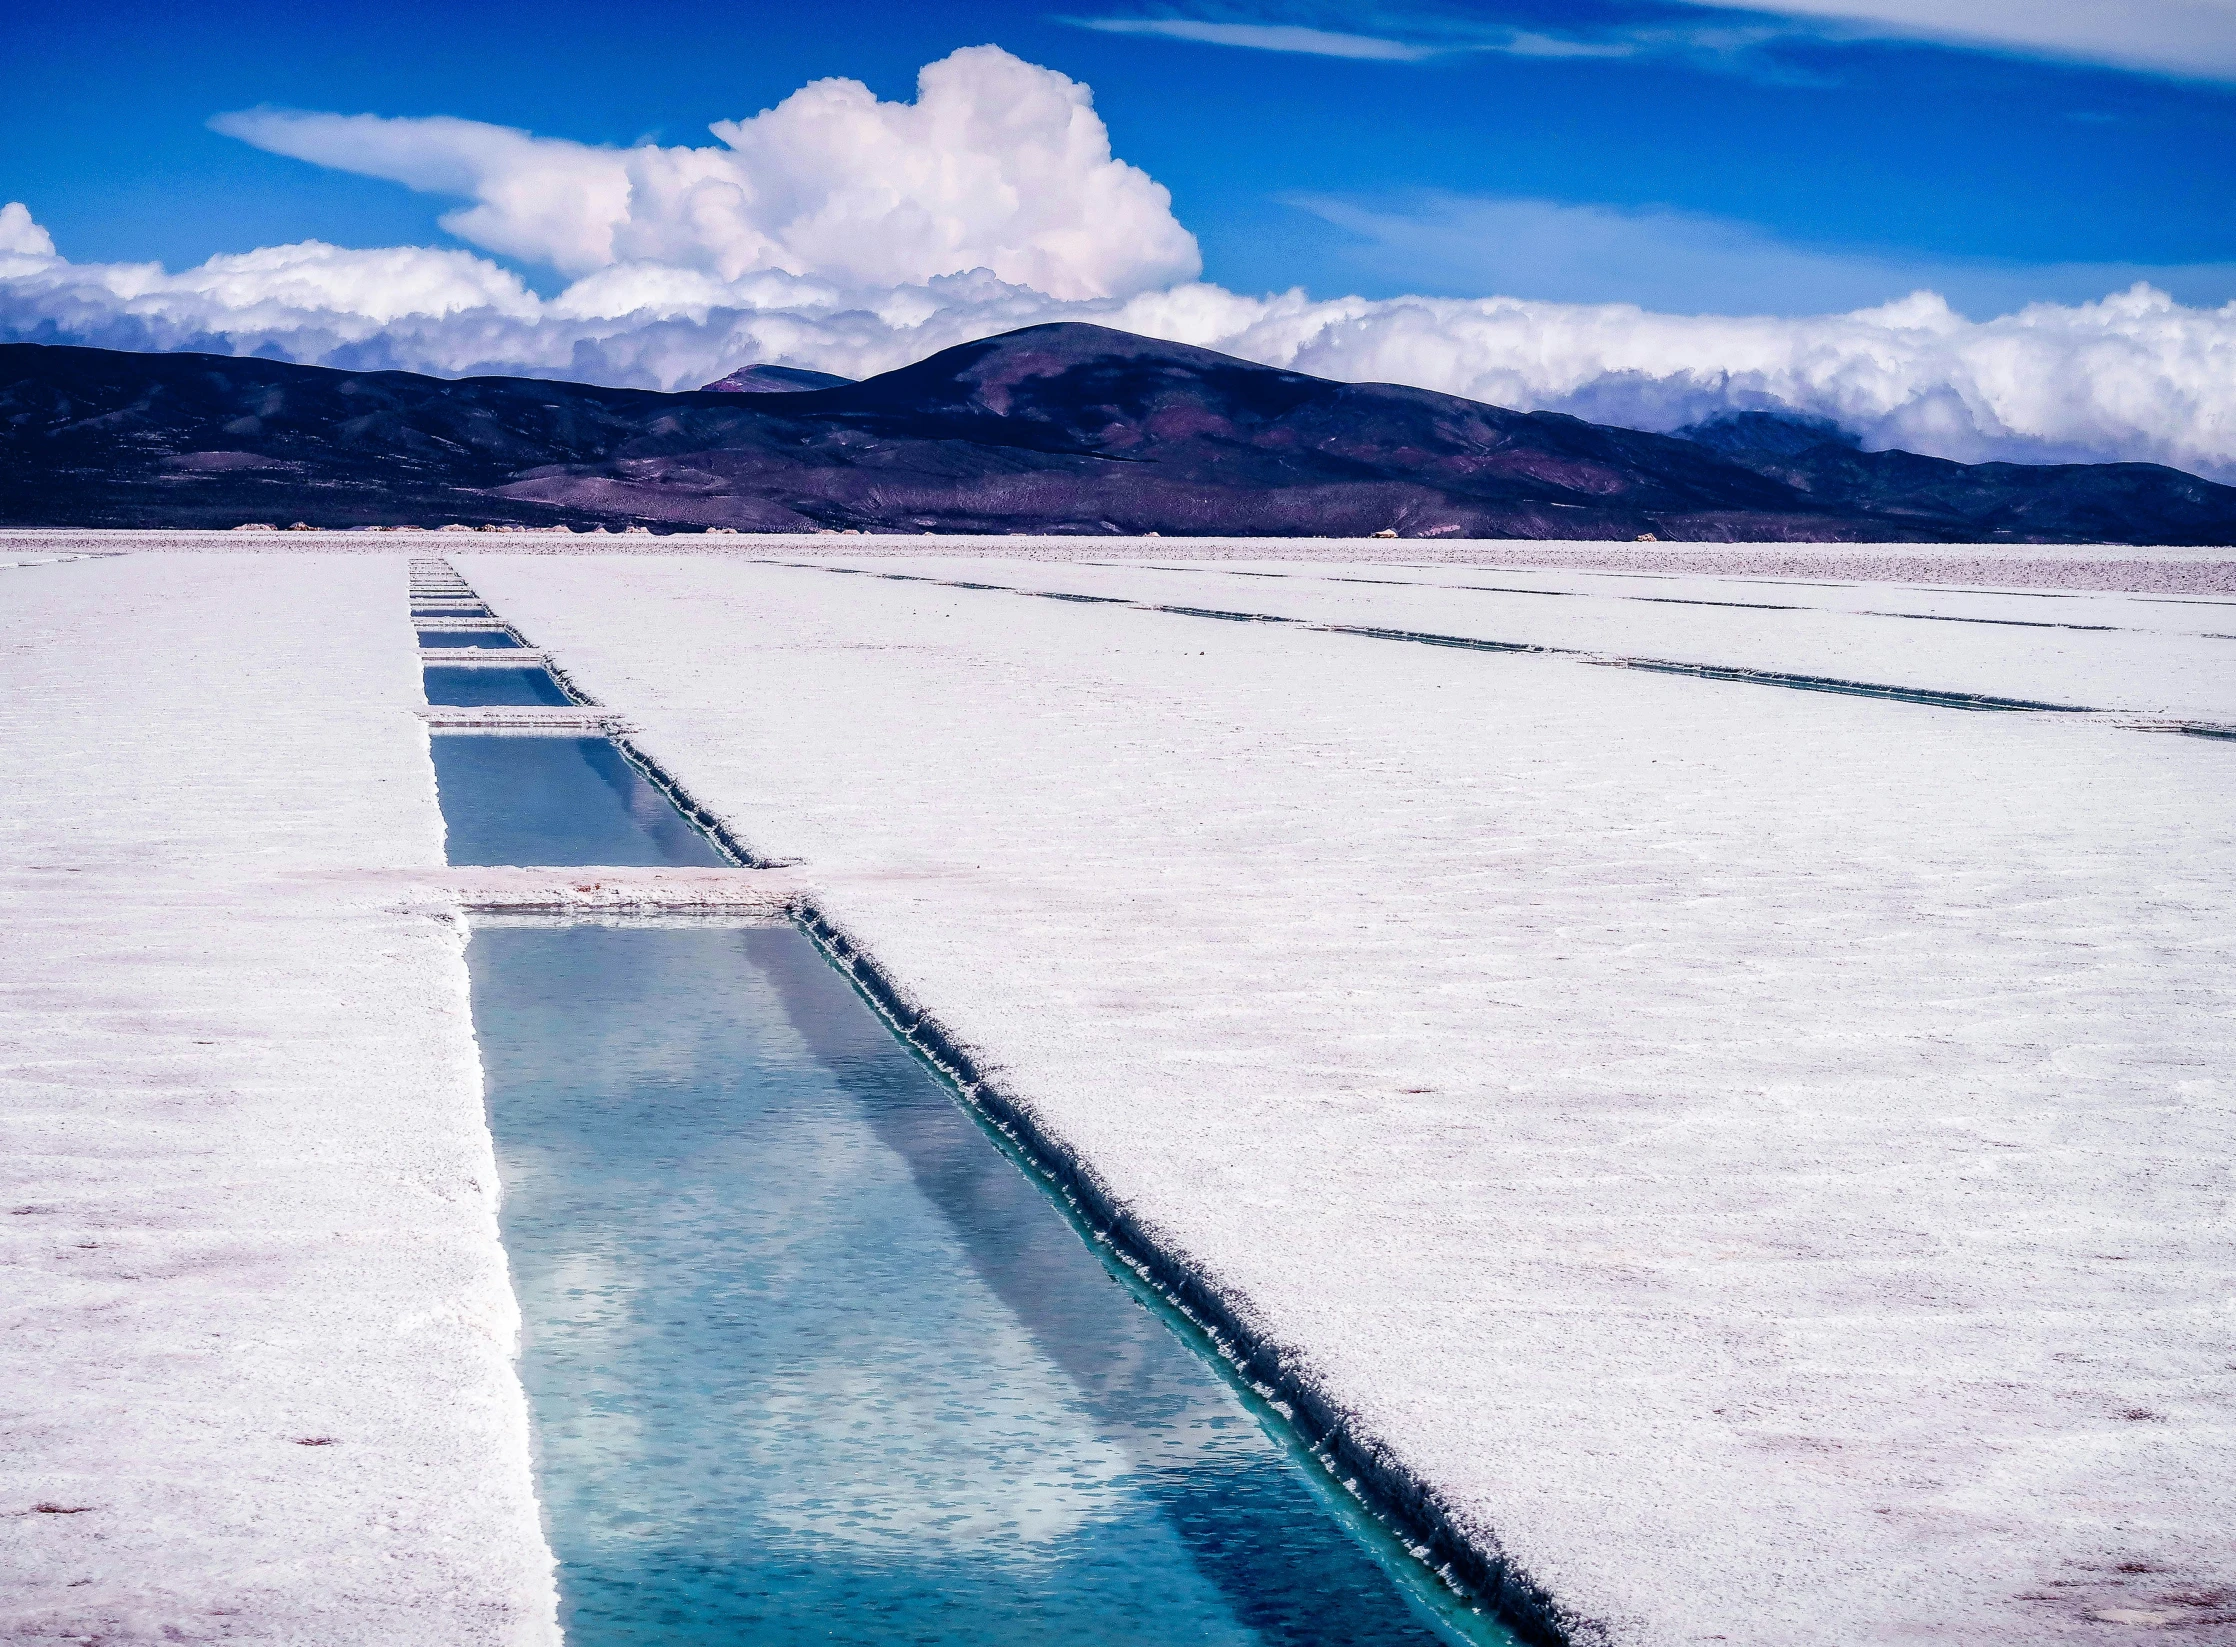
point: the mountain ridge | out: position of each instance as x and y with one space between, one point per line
1057 428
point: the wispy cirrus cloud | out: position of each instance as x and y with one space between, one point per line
2189 39
1424 33
1283 37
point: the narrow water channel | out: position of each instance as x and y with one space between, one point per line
808 1357
490 686
514 799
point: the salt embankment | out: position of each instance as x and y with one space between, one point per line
258 1329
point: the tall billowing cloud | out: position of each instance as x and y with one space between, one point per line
853 236
20 236
998 165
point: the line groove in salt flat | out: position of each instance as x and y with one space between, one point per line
1926 696
463 626
1401 1505
1395 1506
1857 689
1732 605
589 718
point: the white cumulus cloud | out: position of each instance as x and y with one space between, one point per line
304 301
2133 376
20 236
998 165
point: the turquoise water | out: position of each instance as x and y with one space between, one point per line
509 799
810 1360
483 687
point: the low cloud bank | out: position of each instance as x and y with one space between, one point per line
673 288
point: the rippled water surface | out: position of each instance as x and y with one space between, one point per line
509 799
810 1360
486 687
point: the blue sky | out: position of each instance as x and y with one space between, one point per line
1682 158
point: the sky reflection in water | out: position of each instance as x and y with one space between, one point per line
509 799
810 1360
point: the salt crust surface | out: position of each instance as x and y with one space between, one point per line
2169 659
1763 1156
2022 566
249 1200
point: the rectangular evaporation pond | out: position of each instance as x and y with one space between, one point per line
487 639
809 1359
485 688
514 799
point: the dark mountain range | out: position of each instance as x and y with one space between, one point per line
2020 502
1061 428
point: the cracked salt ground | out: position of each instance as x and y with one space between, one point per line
255 1328
1761 1157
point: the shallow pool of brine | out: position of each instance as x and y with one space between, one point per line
809 1357
810 1360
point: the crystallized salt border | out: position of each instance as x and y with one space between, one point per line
257 1329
